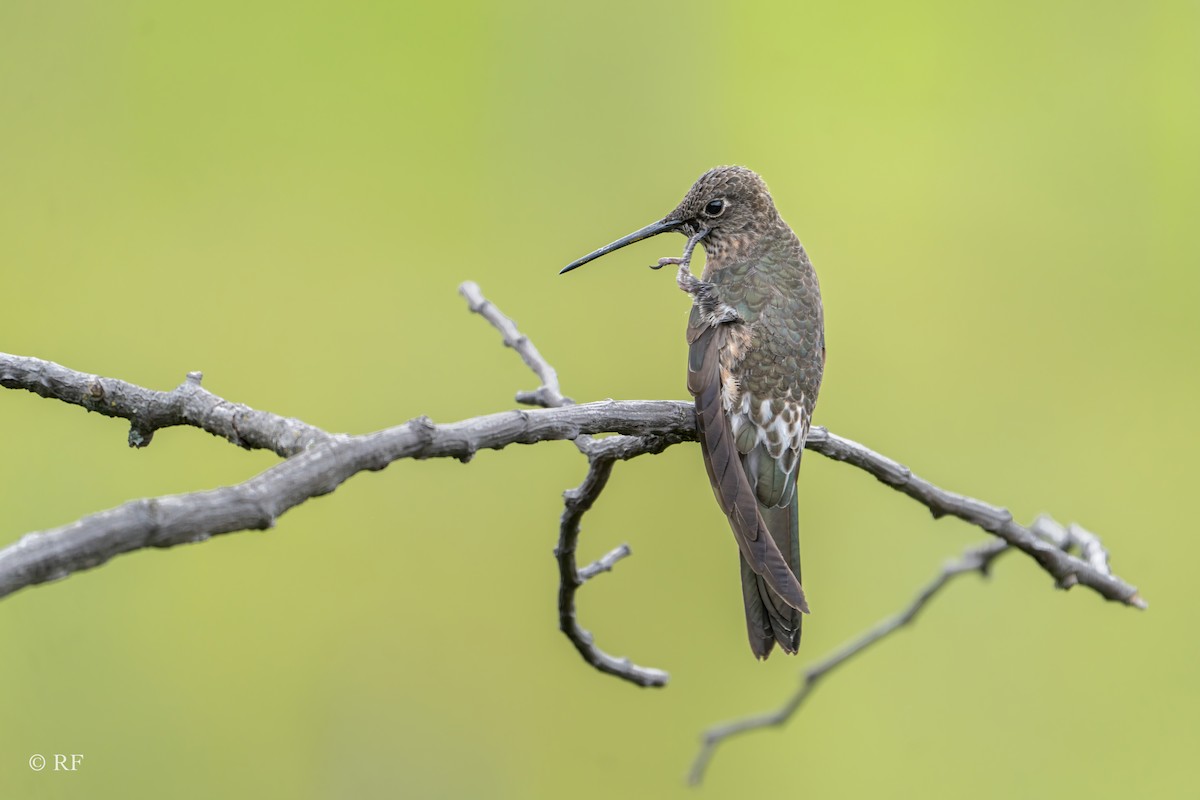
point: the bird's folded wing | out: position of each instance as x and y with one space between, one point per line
724 464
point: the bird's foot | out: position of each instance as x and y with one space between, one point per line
704 295
689 282
686 259
663 262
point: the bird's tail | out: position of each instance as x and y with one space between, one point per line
768 618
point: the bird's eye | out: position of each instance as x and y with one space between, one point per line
714 207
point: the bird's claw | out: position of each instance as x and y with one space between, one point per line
686 259
667 261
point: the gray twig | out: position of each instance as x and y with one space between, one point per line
601 455
605 563
976 559
570 578
1066 569
148 410
548 394
319 469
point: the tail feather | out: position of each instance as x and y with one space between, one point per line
769 618
758 622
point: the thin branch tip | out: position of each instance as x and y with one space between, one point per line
978 558
605 563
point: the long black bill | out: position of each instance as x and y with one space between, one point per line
662 226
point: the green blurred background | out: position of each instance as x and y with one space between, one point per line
1000 201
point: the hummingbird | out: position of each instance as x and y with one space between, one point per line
756 354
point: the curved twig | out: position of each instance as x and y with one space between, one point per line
976 559
601 456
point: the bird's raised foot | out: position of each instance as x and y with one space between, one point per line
689 282
704 295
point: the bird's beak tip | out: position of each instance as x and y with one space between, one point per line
662 226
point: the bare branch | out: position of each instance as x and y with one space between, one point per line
148 410
605 563
1074 537
653 426
256 503
1066 569
318 462
191 404
578 501
601 456
976 559
548 394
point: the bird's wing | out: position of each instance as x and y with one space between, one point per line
727 470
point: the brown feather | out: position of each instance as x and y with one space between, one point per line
785 620
758 623
727 473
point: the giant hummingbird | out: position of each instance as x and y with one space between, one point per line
756 353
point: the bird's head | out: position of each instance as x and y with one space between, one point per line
725 204
727 201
